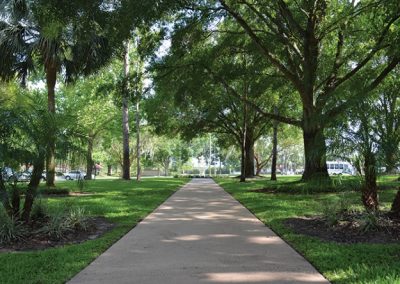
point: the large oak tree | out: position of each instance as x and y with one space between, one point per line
319 47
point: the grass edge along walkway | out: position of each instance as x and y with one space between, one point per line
124 203
339 263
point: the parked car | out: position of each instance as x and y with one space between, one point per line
299 171
59 176
339 168
72 175
7 173
24 176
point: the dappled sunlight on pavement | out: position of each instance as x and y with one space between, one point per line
200 235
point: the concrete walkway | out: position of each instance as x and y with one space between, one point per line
200 235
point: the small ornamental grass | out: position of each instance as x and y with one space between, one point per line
66 221
77 219
56 227
333 211
11 230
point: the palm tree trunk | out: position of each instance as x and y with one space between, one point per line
369 190
51 79
126 163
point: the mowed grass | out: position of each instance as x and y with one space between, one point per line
340 263
124 203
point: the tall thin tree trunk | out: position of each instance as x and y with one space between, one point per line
89 158
138 172
274 147
210 160
258 165
51 79
243 162
126 163
109 170
243 146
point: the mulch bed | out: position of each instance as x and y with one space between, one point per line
348 230
98 227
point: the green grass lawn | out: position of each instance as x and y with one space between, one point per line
121 202
340 263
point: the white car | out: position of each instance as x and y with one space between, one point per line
72 175
339 168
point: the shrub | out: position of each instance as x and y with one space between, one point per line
11 229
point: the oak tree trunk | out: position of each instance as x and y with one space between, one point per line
315 154
51 79
249 157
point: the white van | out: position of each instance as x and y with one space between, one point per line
339 168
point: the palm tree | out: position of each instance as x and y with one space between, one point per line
67 45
